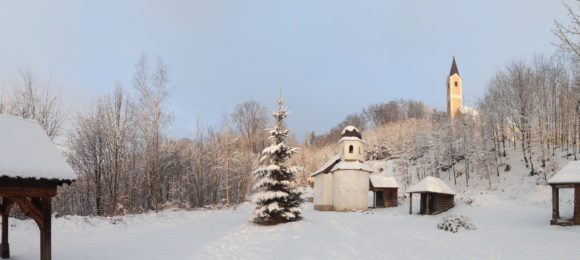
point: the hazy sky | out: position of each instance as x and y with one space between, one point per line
330 57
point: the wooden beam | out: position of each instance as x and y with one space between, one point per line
5 246
29 209
427 207
410 203
564 185
45 230
555 204
27 192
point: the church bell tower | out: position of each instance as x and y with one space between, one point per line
454 91
352 144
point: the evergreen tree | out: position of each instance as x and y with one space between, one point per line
276 197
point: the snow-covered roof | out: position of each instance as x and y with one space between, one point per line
26 151
569 174
431 184
383 181
355 165
327 165
351 131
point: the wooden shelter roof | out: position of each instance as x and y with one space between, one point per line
570 174
431 184
383 181
26 152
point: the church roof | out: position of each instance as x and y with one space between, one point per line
327 165
351 131
356 165
453 68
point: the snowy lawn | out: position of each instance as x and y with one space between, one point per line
506 230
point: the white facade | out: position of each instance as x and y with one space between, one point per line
350 188
342 183
323 193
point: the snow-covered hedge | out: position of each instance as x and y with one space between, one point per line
454 223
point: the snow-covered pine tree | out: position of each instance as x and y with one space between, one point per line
275 193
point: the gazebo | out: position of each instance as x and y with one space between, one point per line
436 196
31 169
384 190
567 177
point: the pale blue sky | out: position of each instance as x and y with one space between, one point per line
330 57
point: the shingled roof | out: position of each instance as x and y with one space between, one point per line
453 68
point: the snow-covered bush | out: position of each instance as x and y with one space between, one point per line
454 223
276 196
378 152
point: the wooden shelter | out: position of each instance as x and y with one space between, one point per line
385 191
567 178
31 169
436 196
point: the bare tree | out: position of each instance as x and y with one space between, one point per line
250 119
152 89
30 100
568 34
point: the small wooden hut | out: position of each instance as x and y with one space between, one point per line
567 178
31 169
384 190
436 196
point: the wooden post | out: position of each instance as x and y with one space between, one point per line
410 203
555 205
45 229
427 207
5 246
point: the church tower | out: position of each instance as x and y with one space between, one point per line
454 91
352 145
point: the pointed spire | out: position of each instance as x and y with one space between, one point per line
453 68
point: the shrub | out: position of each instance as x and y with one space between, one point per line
454 223
507 168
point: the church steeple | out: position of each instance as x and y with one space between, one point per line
453 68
454 91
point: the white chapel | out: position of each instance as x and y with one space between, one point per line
342 183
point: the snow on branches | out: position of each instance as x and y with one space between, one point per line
275 195
454 223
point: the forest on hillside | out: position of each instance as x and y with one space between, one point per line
128 164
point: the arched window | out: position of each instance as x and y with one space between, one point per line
350 149
456 83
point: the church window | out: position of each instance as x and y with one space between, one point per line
456 83
350 149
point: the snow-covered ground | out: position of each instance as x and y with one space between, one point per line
512 222
505 231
